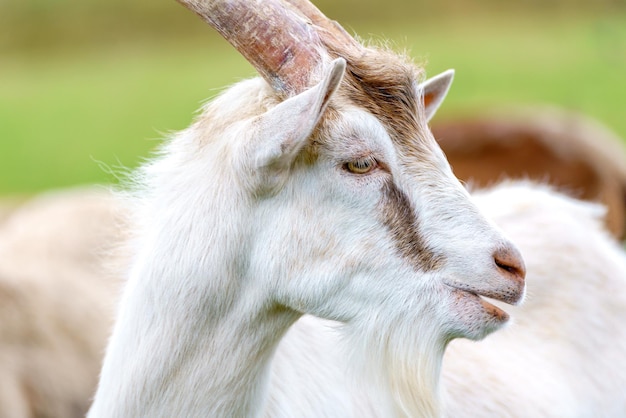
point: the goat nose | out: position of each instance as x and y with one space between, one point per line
509 260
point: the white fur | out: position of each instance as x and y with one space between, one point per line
232 249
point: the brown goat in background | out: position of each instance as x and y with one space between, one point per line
576 154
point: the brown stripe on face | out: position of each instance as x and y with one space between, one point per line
398 216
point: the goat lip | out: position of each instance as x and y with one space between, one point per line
493 311
490 309
510 298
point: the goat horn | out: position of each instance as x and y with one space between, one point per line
277 38
331 32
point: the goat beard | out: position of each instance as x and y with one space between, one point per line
400 366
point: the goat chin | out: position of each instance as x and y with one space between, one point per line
562 354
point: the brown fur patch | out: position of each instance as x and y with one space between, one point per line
384 84
398 216
485 150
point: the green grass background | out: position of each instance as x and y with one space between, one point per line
86 93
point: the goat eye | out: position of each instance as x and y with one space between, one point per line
361 166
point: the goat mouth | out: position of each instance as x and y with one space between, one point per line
465 297
511 295
492 310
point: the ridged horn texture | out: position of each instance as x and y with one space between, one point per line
329 30
282 39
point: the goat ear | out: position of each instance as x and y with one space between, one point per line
435 90
286 128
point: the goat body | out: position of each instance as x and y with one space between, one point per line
56 301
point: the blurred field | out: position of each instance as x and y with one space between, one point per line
77 107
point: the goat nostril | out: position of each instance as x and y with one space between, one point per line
510 260
510 269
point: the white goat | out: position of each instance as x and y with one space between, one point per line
56 302
333 200
564 355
